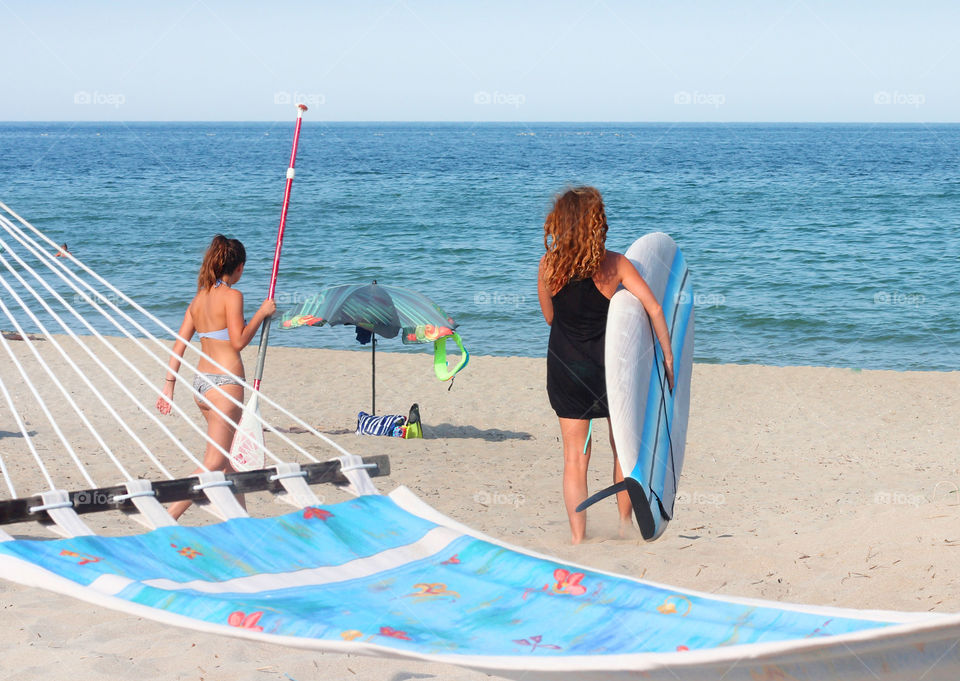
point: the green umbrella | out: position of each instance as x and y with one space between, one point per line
384 311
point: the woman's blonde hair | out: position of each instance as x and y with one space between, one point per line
223 256
574 234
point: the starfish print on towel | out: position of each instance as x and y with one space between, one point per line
394 633
314 512
536 642
84 557
187 551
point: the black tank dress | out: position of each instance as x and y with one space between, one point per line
576 382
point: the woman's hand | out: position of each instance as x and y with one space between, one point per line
668 369
164 402
267 308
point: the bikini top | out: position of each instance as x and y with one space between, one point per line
220 334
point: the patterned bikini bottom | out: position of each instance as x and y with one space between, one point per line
204 382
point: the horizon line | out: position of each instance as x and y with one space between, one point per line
504 122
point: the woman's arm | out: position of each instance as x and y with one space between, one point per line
633 282
546 301
240 335
187 330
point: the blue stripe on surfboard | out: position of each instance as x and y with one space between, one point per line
682 331
672 305
665 445
645 461
662 444
671 298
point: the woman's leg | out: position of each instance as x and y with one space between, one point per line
218 430
575 462
624 507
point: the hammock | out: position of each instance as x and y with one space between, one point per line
378 575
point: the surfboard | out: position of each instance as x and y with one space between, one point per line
649 422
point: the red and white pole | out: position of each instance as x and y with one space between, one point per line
265 332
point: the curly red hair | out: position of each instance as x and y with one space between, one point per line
574 234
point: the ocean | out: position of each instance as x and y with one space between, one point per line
809 244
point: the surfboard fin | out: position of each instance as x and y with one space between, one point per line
602 494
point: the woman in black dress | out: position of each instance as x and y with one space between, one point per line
578 276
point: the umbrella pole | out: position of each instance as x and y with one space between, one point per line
373 383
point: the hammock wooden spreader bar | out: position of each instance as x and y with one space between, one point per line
117 497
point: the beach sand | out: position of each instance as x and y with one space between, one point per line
801 484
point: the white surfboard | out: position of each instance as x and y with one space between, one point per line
649 422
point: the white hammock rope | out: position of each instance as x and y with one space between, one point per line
87 293
147 409
23 432
82 374
51 261
56 381
45 257
46 412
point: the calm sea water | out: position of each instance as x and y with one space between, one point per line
831 245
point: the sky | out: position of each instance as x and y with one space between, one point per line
412 60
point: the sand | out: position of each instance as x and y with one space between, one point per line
801 484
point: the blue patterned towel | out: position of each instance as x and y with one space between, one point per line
368 424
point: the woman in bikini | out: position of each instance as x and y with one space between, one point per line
577 278
219 308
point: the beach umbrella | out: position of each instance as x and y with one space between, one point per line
385 311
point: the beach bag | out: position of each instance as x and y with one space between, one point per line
391 425
368 424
